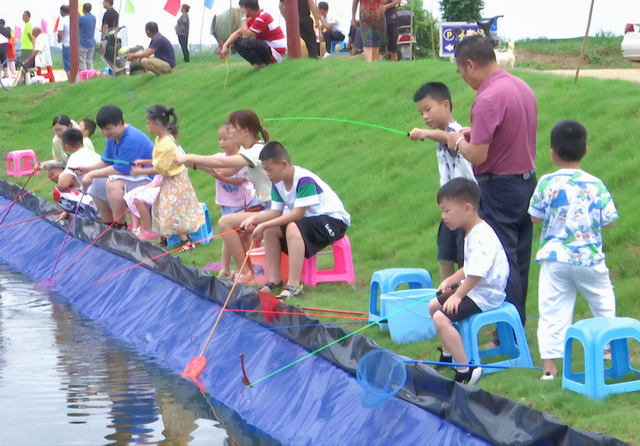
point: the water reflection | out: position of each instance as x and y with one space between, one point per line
84 386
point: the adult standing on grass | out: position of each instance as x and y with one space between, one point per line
373 26
109 20
65 39
182 29
307 32
87 23
28 39
259 40
164 60
501 144
391 16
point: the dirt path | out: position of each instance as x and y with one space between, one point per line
632 75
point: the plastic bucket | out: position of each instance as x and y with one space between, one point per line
258 259
381 374
414 323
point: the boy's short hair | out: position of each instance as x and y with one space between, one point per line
109 115
569 140
89 124
250 4
476 48
274 152
324 6
437 91
72 138
461 190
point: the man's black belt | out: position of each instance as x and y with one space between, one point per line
488 176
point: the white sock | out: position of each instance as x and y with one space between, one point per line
463 370
446 355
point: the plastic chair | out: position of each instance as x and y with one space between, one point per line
387 281
108 71
86 74
338 46
508 323
202 233
342 261
19 158
49 75
595 334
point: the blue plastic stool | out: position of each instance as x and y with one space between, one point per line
595 334
107 71
338 43
388 280
508 322
205 230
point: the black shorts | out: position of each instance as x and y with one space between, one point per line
392 34
451 244
317 233
4 53
466 309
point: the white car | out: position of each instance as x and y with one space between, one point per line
631 42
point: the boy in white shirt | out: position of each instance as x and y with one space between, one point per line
316 218
573 207
482 280
435 106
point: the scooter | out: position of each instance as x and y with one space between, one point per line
485 25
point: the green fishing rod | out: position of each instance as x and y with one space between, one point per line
339 120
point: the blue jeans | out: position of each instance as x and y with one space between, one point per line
66 58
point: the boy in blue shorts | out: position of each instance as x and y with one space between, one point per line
481 282
316 218
573 207
435 106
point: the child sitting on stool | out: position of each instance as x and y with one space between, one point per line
574 207
482 279
317 218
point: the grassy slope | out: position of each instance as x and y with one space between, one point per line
387 182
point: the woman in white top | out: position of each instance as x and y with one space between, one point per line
247 132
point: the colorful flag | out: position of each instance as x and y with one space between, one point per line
172 7
208 4
18 32
55 27
80 5
43 26
128 7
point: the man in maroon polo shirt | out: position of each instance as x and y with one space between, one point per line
501 144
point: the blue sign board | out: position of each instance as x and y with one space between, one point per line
452 32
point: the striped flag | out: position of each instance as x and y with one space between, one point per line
208 4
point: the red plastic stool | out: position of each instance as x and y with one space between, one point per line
49 74
15 169
342 266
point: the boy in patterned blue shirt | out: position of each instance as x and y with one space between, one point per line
573 207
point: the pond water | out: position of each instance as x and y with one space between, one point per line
64 379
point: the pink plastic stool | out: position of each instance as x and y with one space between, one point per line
17 156
87 74
342 262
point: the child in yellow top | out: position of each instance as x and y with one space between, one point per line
176 210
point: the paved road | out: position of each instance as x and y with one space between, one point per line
632 75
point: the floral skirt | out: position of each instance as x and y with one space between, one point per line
373 25
176 211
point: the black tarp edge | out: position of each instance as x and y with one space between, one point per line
491 417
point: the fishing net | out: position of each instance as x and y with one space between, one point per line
381 373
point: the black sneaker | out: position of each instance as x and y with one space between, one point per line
121 226
470 377
443 358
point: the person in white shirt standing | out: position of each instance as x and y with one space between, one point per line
332 29
65 40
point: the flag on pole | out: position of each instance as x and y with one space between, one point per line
80 6
208 4
172 7
55 27
43 26
128 7
18 32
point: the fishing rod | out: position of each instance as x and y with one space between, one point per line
339 120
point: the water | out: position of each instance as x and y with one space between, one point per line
64 379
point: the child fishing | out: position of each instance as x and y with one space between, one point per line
176 210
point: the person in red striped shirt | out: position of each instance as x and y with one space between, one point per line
260 41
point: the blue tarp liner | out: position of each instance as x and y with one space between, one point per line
161 309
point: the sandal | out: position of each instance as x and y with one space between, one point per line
120 226
163 242
223 275
293 292
272 286
247 278
187 245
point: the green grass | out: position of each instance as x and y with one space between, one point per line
387 182
603 51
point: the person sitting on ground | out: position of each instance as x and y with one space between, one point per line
482 280
40 57
333 31
316 218
88 128
259 40
574 207
110 178
434 104
246 132
61 123
67 193
164 60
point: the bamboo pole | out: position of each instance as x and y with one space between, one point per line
115 43
584 44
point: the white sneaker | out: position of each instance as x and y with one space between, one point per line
548 377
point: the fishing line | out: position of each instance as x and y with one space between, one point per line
286 327
454 364
339 120
31 219
35 188
299 314
17 197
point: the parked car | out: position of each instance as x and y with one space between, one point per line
631 42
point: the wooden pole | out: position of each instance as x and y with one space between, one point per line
293 29
74 37
584 44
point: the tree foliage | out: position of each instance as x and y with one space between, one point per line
461 10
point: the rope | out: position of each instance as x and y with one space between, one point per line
31 219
